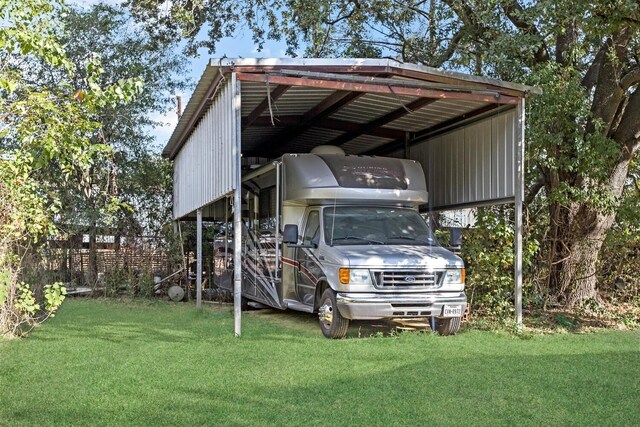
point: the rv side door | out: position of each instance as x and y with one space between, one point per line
307 272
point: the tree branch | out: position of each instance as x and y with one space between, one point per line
533 191
464 12
356 6
591 77
608 94
451 49
513 10
564 42
630 79
628 132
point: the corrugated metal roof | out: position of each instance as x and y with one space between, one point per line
314 120
310 138
364 143
371 106
433 114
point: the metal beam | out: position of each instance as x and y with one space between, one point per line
390 89
272 96
279 142
519 190
478 83
386 66
237 206
333 124
419 83
199 258
381 121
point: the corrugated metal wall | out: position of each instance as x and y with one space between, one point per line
471 165
203 170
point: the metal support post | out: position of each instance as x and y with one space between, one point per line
519 190
237 209
199 258
277 232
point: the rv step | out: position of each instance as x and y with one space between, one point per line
297 305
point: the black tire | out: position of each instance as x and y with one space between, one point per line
332 324
448 326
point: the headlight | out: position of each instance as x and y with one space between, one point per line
354 276
455 275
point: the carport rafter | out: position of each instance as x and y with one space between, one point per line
325 108
332 124
272 96
383 120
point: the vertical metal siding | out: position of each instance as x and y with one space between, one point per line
204 167
471 165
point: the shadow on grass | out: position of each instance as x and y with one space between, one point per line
308 323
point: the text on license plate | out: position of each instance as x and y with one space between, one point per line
452 311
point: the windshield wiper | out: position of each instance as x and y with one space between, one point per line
413 239
401 237
369 241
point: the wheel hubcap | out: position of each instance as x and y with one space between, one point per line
325 313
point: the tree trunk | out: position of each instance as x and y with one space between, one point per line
577 235
573 255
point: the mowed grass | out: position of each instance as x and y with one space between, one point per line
157 363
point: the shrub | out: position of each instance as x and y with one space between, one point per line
488 252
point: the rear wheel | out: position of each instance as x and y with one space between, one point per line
448 326
332 324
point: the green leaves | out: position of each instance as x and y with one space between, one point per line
51 138
8 85
5 283
488 253
25 302
54 295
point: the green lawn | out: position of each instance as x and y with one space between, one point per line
156 363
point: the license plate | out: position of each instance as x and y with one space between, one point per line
452 311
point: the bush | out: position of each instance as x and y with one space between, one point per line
20 310
488 252
121 281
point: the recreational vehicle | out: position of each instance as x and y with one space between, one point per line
341 236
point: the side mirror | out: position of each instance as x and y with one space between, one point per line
290 234
455 237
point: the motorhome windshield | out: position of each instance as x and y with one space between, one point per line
375 226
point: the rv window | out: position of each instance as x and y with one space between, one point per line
367 172
312 228
375 226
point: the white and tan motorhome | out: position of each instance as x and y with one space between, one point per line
340 235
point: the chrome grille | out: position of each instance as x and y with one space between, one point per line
408 278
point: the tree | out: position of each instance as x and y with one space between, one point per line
583 132
47 137
134 175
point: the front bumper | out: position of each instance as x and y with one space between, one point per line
367 306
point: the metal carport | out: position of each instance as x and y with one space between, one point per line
467 131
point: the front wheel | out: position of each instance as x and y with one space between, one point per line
332 324
448 326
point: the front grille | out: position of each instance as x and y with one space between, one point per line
393 279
